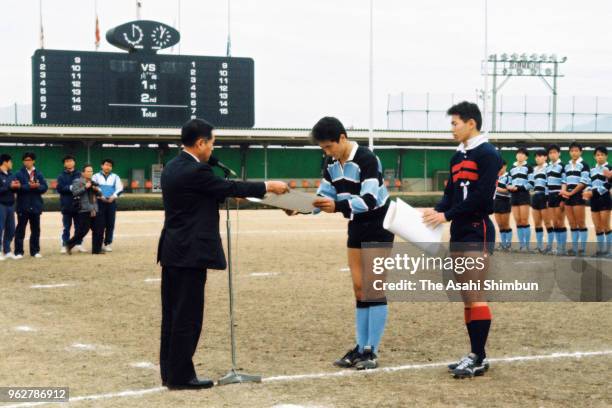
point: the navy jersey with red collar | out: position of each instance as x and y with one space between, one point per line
470 189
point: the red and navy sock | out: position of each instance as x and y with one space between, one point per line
478 328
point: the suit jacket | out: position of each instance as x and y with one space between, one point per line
191 194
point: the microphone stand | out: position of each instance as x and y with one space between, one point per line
233 376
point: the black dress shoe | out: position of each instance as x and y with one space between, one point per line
193 384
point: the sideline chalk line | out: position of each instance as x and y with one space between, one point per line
343 373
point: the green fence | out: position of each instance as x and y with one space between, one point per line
259 163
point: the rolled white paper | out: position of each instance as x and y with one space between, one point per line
404 220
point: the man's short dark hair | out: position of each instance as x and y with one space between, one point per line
523 150
68 157
466 111
328 129
86 166
576 145
28 155
4 158
553 147
194 130
107 160
601 149
540 152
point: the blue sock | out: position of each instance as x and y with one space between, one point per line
584 236
601 242
362 317
519 234
540 237
378 318
609 241
562 240
527 235
575 237
550 234
509 237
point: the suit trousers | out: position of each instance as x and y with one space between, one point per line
22 221
182 297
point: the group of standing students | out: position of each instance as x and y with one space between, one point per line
88 202
553 191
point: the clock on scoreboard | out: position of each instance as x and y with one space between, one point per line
141 88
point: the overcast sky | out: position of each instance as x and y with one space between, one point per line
311 57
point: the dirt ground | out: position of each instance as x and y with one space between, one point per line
99 333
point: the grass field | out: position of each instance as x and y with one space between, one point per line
95 329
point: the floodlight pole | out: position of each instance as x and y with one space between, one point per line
371 105
486 67
508 72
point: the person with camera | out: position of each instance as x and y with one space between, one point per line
86 192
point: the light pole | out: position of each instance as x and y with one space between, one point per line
523 65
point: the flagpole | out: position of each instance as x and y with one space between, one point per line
42 33
97 33
179 24
228 50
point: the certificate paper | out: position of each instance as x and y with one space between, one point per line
407 222
293 200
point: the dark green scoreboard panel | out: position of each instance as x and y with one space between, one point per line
139 89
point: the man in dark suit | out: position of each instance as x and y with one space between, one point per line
189 245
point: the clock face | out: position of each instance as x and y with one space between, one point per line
134 36
143 36
161 36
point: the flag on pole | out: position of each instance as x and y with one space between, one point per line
42 32
97 33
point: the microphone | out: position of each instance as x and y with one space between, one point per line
213 161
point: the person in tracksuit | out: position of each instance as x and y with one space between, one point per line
8 186
29 205
501 208
539 207
467 204
111 187
520 185
70 214
556 205
575 180
598 192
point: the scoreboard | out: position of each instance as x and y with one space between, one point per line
140 89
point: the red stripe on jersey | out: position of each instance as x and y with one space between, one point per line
465 164
465 175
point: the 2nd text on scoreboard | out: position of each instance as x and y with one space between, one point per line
140 89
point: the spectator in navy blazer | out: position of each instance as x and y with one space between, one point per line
29 205
68 206
8 186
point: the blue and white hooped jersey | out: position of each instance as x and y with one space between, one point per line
576 173
357 187
599 182
520 176
538 179
554 176
502 182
